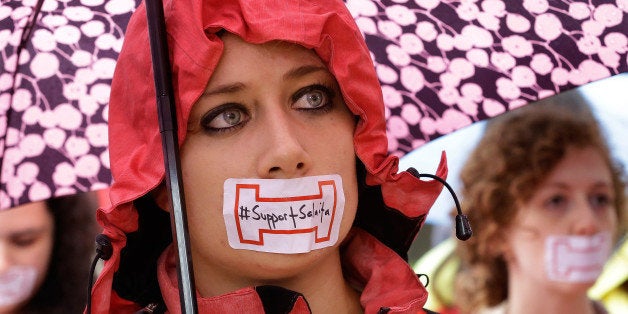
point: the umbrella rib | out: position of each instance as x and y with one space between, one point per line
26 35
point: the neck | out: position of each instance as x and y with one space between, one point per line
321 282
325 288
528 296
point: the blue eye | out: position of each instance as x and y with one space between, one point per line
313 97
224 118
230 118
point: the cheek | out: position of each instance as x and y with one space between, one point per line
39 257
46 252
610 220
343 160
202 170
335 145
525 248
343 155
351 204
203 184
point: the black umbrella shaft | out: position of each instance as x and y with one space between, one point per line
168 129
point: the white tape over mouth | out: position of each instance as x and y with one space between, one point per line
16 284
287 216
576 258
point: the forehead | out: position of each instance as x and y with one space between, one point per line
237 51
31 215
581 167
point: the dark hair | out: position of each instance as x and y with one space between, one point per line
513 158
64 288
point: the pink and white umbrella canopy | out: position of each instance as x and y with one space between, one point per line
54 96
444 65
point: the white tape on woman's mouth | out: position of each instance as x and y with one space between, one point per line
576 258
287 216
16 284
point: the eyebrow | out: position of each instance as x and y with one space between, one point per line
303 71
231 88
595 185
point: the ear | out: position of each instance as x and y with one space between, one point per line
160 195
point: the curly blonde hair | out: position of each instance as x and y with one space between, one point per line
516 153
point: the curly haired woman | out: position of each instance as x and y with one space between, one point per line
547 203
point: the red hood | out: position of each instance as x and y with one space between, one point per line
135 143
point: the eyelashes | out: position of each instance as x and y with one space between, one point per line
225 117
314 97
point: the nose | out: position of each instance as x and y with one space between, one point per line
283 154
587 222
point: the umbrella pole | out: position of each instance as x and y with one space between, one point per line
168 129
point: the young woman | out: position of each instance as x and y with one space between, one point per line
547 202
45 250
292 202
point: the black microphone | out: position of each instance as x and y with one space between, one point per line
463 227
104 250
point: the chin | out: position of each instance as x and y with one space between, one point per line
574 288
276 269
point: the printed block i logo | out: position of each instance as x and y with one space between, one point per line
283 215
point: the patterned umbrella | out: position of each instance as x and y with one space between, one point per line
608 105
54 96
446 64
443 65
